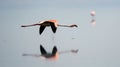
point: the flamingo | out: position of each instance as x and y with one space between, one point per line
54 55
92 13
53 23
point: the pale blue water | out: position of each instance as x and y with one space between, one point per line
98 46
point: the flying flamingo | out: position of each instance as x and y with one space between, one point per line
53 23
54 55
92 13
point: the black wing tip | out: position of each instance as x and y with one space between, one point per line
54 31
54 28
54 47
41 45
54 50
42 50
40 33
41 29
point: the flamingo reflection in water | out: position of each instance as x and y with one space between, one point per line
54 55
53 23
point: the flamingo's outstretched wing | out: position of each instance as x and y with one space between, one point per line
41 29
42 50
54 51
53 27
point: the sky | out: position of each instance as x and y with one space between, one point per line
98 46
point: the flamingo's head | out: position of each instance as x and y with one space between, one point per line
73 25
93 13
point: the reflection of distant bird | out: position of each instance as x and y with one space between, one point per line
53 23
73 38
93 22
54 55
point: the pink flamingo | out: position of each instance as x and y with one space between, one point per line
54 55
53 23
92 13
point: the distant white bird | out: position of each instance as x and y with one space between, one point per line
53 23
54 55
92 13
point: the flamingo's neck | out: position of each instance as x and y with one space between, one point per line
73 25
30 25
63 25
69 51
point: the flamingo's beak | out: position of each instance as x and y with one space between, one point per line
23 26
74 25
74 51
